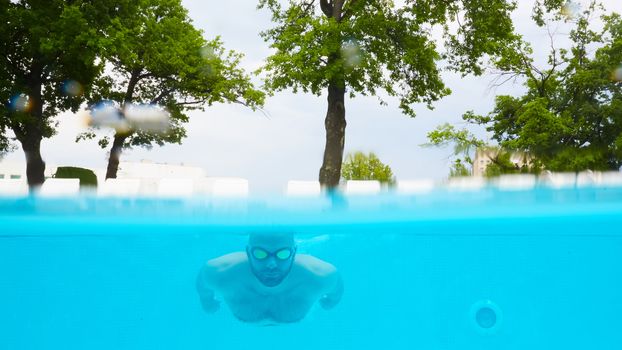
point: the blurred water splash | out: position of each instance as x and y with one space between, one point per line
138 117
20 103
616 75
72 88
570 10
351 53
107 114
147 117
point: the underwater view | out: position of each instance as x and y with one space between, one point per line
490 269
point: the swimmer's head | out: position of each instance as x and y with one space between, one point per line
271 256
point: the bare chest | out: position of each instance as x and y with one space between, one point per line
290 306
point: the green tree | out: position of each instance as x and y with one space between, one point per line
45 45
361 47
459 169
570 118
466 144
156 56
361 166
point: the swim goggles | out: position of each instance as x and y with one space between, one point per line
281 254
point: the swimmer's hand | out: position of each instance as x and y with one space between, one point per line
206 293
332 298
210 305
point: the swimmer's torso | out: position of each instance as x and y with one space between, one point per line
286 303
250 307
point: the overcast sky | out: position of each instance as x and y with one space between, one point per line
288 144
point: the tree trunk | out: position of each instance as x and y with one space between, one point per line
335 125
30 134
35 166
119 140
115 154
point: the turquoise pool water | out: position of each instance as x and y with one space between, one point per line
535 269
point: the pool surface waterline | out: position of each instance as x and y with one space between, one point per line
473 270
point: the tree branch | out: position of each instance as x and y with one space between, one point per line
187 103
337 9
348 9
162 95
309 6
131 85
326 7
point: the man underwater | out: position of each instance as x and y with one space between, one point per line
269 283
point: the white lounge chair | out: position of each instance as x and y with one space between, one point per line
415 186
558 180
224 186
362 187
303 188
515 182
466 183
60 187
119 188
176 188
13 187
608 179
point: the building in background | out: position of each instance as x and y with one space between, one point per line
485 156
17 170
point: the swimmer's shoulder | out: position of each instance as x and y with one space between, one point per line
316 266
227 261
218 268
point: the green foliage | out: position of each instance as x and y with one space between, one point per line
459 169
5 143
570 118
464 142
87 177
44 44
157 56
502 164
360 166
375 45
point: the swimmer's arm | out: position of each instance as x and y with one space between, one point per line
204 285
332 298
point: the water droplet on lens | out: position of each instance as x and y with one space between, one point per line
146 117
107 114
72 88
20 103
207 52
570 10
351 53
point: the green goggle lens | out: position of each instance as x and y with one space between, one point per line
282 254
260 254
